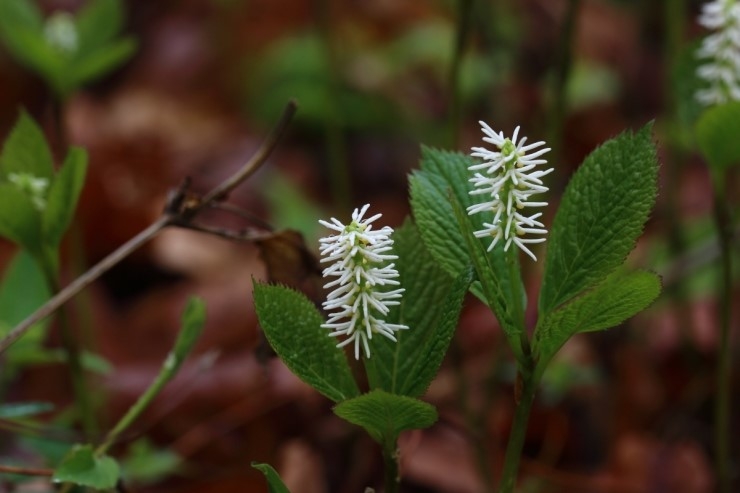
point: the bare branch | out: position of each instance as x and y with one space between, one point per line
181 209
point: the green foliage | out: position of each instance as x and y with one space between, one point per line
430 308
619 297
717 134
274 483
83 467
22 291
192 322
24 409
37 205
602 213
67 51
439 196
145 463
384 416
685 85
292 325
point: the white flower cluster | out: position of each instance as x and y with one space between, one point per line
359 263
508 177
721 50
35 188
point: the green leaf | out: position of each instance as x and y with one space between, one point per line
82 467
430 307
24 409
602 213
20 222
96 64
23 289
717 134
192 322
98 22
145 463
622 295
274 483
25 151
292 325
63 195
437 190
384 416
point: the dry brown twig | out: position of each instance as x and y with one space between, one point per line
182 208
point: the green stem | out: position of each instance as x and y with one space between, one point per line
72 350
464 28
518 431
564 61
338 173
722 406
390 467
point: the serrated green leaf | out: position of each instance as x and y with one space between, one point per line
98 22
292 325
24 409
430 307
384 416
717 134
601 215
20 222
25 151
82 467
622 295
437 190
64 194
274 483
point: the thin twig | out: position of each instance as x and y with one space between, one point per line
180 211
244 214
26 471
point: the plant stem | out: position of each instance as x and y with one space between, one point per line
464 25
563 60
337 153
722 405
390 467
518 431
72 350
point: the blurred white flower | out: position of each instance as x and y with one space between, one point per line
34 187
60 31
507 178
721 50
359 263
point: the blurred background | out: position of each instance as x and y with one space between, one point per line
625 411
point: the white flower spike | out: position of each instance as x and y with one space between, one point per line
721 50
357 255
508 177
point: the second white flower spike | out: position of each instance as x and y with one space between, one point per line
358 256
507 178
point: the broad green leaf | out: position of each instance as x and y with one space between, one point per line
24 409
25 151
20 222
292 325
717 133
430 308
21 13
622 295
63 195
384 416
98 22
441 183
82 467
274 483
601 215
